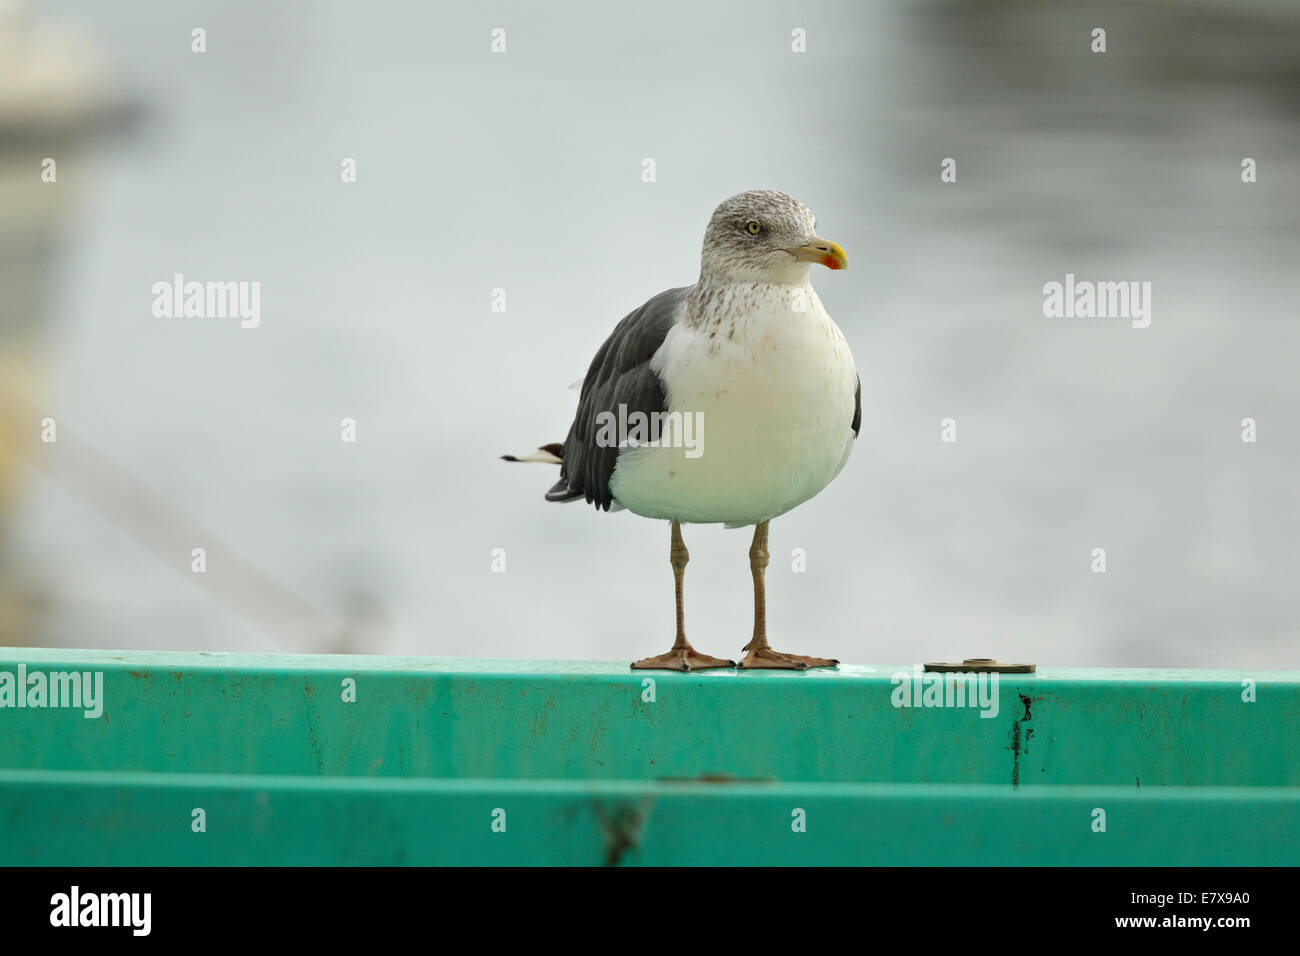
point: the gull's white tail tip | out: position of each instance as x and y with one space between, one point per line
552 454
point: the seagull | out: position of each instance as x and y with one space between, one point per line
729 402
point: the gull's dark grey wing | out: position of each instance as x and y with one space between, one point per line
619 375
857 408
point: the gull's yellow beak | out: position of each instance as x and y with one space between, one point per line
824 251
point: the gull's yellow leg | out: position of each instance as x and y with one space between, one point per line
682 657
761 656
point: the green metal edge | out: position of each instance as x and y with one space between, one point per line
89 819
237 713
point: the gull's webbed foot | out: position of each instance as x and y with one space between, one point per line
681 659
764 658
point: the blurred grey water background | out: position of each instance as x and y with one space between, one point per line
522 171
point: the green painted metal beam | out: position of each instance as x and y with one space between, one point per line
101 819
338 759
414 717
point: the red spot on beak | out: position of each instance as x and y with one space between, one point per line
830 262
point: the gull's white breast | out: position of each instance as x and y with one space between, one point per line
772 388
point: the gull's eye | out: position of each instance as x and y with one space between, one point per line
753 227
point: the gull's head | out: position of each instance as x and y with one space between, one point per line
765 236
